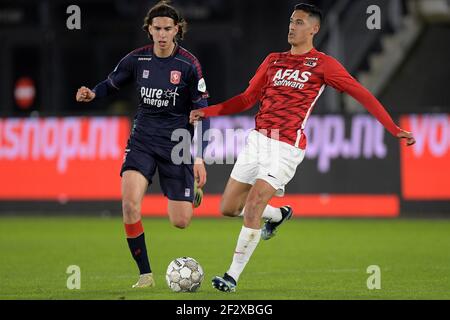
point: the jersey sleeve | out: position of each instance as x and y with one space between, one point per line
336 76
199 96
197 87
121 76
245 100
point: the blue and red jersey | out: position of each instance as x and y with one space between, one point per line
168 89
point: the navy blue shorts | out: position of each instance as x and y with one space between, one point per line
176 180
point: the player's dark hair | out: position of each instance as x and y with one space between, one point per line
164 9
312 10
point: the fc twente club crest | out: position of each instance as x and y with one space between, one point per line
175 77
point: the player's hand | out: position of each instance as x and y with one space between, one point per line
408 136
85 94
199 172
195 116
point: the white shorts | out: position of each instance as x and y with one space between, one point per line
267 159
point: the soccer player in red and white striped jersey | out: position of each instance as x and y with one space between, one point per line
287 85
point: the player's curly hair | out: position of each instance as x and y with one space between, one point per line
164 9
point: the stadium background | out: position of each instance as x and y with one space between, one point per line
65 155
59 160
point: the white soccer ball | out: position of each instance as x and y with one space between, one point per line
184 275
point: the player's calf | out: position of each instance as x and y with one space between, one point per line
234 198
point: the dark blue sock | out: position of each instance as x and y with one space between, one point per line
138 250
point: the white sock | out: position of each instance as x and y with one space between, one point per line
270 213
247 242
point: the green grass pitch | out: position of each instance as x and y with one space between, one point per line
308 259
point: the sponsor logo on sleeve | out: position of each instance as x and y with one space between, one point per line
202 85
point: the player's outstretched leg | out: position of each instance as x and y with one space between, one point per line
269 229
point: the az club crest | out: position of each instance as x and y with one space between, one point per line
311 62
175 77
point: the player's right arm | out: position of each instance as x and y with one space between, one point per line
121 76
239 103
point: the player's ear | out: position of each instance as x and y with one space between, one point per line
316 29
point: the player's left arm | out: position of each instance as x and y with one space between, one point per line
199 96
337 76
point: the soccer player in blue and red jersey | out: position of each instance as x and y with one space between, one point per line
287 84
170 83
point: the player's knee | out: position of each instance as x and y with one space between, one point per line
130 208
229 211
181 222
